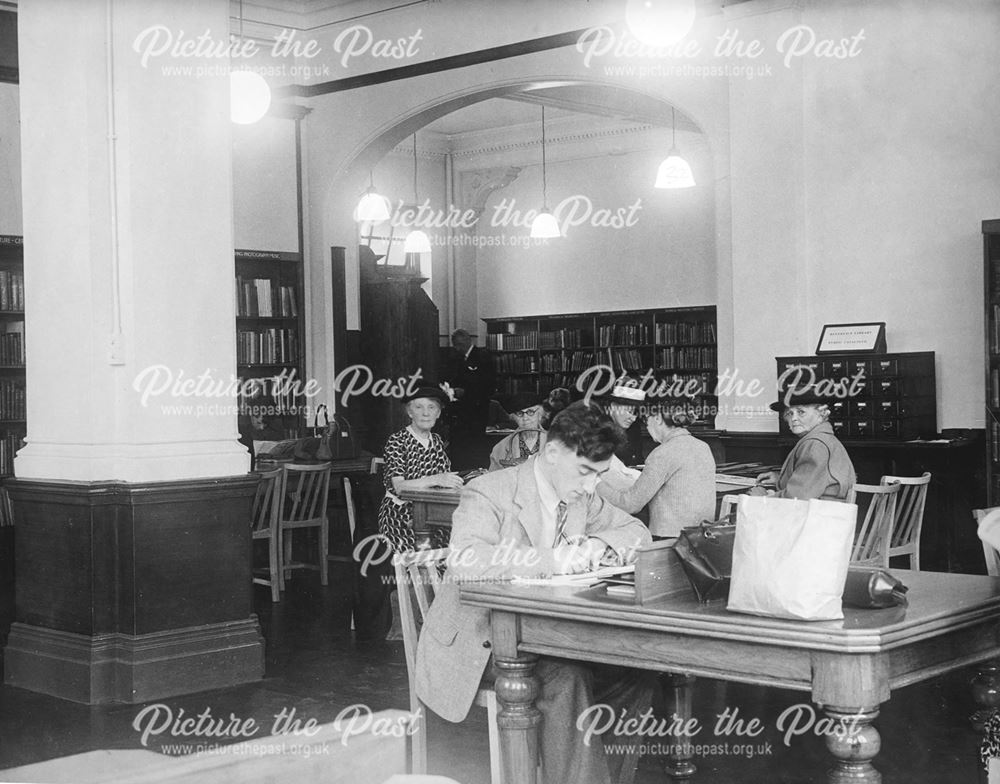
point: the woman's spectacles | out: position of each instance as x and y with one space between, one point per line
527 412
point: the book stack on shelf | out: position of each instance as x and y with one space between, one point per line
12 396
991 291
537 353
269 346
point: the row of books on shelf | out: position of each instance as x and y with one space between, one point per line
11 290
502 341
10 442
273 346
685 332
12 349
12 398
263 297
614 334
561 338
692 357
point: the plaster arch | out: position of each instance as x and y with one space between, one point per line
338 171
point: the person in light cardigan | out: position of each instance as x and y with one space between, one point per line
677 481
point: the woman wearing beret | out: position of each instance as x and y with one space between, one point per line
818 466
527 409
622 405
677 481
414 459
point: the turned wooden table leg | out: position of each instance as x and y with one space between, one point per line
516 689
985 692
854 742
679 765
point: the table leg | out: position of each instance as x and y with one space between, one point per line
853 742
516 689
986 692
679 765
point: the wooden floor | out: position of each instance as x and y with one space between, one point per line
315 668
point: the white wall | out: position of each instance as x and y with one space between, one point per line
666 259
264 186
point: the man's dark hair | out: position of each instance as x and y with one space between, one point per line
585 428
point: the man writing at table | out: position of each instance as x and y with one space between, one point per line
533 520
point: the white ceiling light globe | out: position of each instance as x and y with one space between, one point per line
249 97
659 22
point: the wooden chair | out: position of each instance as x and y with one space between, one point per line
989 551
418 578
728 506
871 540
264 525
909 516
304 492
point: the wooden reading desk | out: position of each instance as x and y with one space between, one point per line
849 667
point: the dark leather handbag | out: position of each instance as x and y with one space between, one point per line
706 555
317 446
870 588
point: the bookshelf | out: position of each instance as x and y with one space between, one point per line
269 337
13 419
674 348
991 288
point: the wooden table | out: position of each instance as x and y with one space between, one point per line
433 507
849 667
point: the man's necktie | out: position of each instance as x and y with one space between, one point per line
562 512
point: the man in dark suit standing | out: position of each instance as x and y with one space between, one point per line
471 373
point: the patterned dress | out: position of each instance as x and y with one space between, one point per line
405 456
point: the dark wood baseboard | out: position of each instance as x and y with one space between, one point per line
110 668
128 592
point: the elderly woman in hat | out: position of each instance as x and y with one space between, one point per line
414 459
622 405
677 481
818 466
527 409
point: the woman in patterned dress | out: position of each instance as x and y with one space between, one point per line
414 459
527 410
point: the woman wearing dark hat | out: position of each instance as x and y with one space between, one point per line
414 459
527 410
677 481
818 466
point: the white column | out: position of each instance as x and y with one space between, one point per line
128 226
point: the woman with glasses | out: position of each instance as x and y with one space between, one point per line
527 410
677 481
818 466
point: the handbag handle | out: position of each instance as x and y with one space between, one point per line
326 416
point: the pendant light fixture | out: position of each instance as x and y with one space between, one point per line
249 94
674 172
544 226
373 207
416 240
660 22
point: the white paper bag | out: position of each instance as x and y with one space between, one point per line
790 557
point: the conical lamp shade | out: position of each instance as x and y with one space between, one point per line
249 97
545 226
674 172
417 242
372 207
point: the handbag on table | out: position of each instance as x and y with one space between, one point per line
706 555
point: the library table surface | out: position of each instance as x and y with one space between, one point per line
849 667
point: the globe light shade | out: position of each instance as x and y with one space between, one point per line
417 242
674 172
545 226
659 22
249 97
373 207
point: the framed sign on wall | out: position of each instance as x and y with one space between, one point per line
863 338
